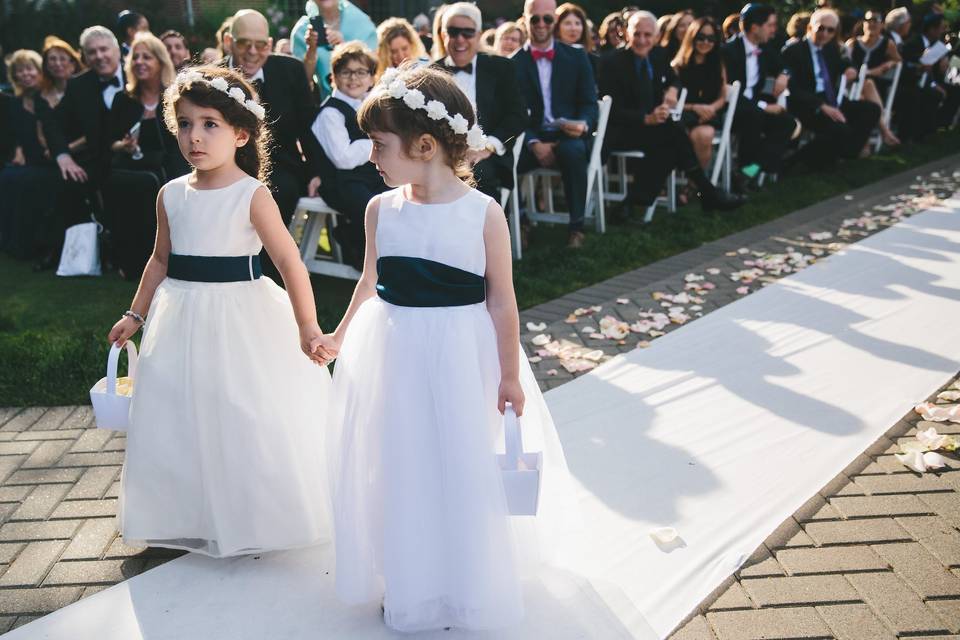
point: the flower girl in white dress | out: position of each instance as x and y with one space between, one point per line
430 356
224 456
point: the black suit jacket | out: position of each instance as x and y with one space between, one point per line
804 101
573 90
618 79
734 54
81 113
911 52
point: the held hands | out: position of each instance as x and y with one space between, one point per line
129 144
704 112
510 391
574 129
657 116
122 331
318 346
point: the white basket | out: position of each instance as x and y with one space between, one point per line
112 411
520 471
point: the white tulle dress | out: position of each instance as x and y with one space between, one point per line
224 450
419 505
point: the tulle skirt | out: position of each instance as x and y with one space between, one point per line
225 445
418 502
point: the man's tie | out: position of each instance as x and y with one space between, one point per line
828 91
645 84
112 82
540 53
452 68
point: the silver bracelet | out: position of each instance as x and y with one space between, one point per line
130 313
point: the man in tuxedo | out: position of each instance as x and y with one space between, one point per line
557 84
815 66
764 127
927 82
644 90
285 94
77 136
491 85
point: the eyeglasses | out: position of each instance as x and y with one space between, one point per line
355 74
870 17
245 43
456 32
547 19
825 29
704 37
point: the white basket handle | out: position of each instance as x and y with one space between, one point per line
114 359
511 433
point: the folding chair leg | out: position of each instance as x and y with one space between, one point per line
648 216
672 192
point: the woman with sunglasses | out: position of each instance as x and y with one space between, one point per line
699 67
879 52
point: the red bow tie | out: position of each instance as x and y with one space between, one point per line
540 53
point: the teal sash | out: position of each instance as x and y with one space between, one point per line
213 268
418 282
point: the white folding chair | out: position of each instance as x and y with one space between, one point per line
723 157
312 220
594 206
857 89
876 140
512 197
842 92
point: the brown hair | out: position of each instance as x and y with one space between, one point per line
687 48
253 157
617 24
381 112
353 51
567 9
669 30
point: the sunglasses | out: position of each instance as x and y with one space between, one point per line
872 18
703 37
245 43
824 29
456 32
547 19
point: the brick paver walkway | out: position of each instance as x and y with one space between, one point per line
876 554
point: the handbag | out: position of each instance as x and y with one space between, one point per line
111 396
521 471
81 250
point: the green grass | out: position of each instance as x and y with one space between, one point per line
52 330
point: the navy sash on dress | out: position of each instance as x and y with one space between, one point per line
214 268
418 282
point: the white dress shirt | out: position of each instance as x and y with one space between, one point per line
466 81
110 91
257 76
330 129
753 67
816 65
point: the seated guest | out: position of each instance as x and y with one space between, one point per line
572 29
343 21
509 38
797 27
700 69
879 53
60 63
815 66
176 46
398 43
490 83
930 79
345 177
144 161
674 29
129 24
644 90
437 52
731 26
78 136
898 24
557 84
421 24
284 46
763 126
612 32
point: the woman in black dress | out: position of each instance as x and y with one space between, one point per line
879 53
700 69
674 31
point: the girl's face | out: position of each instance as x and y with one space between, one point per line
682 27
570 29
706 40
146 66
354 79
206 140
27 76
510 42
60 65
400 49
395 166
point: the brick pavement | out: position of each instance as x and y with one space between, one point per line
874 555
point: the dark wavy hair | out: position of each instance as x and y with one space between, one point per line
253 157
381 112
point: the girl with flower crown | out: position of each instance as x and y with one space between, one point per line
430 359
222 455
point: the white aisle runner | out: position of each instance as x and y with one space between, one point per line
721 429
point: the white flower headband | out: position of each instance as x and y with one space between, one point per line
436 110
220 84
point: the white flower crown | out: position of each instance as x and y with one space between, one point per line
391 83
220 84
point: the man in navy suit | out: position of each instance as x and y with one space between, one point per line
557 84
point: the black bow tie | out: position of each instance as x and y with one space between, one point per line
452 68
112 82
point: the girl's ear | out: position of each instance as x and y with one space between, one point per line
243 137
426 147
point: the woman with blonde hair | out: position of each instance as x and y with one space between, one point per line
439 51
60 63
510 37
145 153
398 41
674 30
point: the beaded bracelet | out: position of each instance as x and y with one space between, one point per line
130 313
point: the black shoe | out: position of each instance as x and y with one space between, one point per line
720 200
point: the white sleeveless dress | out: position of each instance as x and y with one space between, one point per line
419 507
224 454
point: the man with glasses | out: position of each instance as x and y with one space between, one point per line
763 126
490 84
815 67
557 84
284 92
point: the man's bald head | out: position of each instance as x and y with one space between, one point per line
250 23
248 41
